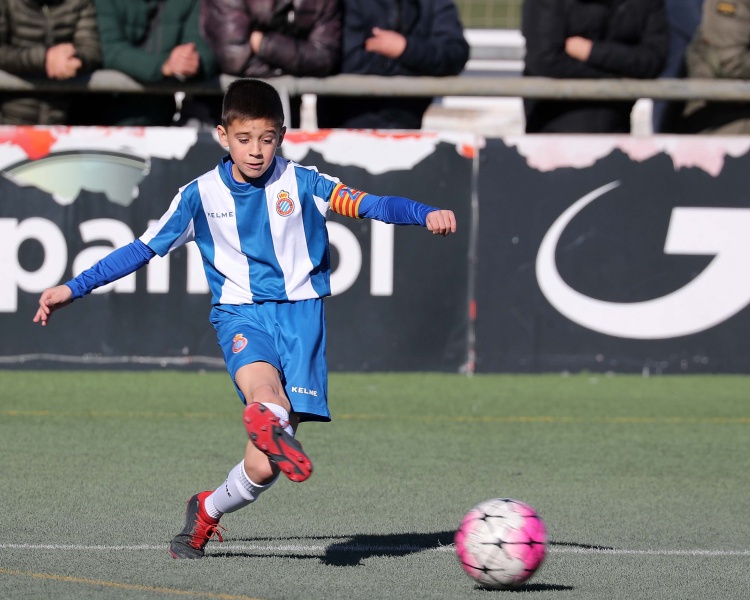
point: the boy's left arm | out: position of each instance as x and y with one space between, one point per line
441 222
391 209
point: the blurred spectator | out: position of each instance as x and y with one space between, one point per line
268 38
153 41
720 49
395 37
58 40
683 17
591 39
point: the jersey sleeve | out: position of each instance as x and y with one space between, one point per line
396 210
114 266
175 227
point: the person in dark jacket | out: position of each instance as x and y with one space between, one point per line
269 38
396 37
57 39
591 39
152 41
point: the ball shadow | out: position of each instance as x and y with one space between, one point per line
529 587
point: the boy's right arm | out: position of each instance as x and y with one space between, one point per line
50 300
115 265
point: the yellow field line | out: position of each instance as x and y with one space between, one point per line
124 586
420 418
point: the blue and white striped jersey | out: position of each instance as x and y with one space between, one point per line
260 241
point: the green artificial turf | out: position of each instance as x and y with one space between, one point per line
642 482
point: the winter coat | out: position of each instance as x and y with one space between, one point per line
630 40
137 39
28 28
131 46
720 49
300 37
435 46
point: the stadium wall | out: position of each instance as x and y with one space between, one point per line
574 253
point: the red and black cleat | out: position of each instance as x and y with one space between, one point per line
268 436
199 528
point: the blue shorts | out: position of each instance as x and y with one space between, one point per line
290 336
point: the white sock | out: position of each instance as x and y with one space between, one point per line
235 493
208 506
283 416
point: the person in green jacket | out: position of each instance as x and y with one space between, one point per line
154 41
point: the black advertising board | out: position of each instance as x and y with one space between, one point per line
613 254
573 252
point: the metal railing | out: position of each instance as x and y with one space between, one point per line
525 87
105 81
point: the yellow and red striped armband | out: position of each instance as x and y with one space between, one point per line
345 201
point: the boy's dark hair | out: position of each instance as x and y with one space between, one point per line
250 99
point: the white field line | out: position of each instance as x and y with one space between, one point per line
359 548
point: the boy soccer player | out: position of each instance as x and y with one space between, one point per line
260 224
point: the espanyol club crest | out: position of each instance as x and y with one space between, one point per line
284 204
238 343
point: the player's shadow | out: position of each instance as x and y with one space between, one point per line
353 551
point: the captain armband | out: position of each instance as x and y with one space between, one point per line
345 201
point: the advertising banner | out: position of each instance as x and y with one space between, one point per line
613 254
599 253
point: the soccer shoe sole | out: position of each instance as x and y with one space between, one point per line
267 435
180 550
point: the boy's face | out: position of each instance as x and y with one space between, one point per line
252 145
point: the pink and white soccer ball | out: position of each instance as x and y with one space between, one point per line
501 543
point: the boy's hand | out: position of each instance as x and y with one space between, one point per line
50 300
441 222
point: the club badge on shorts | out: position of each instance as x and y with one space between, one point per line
238 343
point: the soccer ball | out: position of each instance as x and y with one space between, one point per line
501 543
